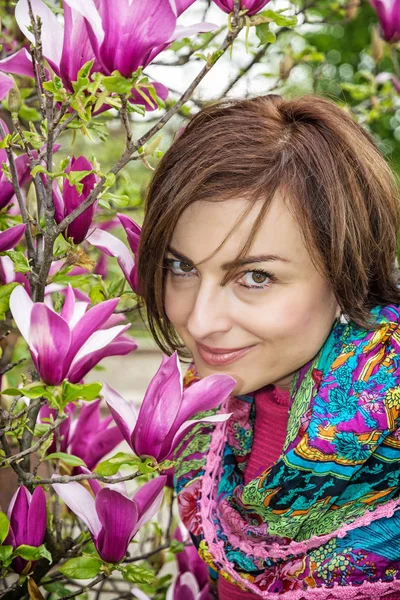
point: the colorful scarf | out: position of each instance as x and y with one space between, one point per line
323 521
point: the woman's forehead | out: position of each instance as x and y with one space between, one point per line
204 226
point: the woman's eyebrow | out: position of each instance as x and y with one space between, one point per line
254 259
247 260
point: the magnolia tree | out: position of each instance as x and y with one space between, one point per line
69 72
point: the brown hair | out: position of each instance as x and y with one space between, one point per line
341 190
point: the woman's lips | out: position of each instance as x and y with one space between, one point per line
220 356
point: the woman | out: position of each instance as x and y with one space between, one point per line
268 253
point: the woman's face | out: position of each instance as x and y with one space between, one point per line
270 319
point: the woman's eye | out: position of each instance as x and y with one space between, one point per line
256 279
179 268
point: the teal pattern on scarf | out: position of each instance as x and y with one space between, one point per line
324 516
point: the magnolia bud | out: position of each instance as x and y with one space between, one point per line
14 99
285 66
377 46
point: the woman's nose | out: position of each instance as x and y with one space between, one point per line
210 313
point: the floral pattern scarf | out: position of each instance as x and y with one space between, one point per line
323 521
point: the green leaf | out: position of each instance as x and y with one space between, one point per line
80 391
138 574
5 293
176 546
33 552
63 164
264 34
4 143
83 567
97 294
21 264
116 288
118 84
69 459
4 527
110 179
112 465
280 19
120 201
5 553
38 169
32 391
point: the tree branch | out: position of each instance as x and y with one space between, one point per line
21 203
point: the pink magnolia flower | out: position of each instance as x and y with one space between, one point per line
388 12
166 413
69 199
27 516
112 246
186 587
85 434
189 560
253 6
123 35
69 344
112 517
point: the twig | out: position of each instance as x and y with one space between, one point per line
10 366
87 587
257 57
27 451
83 476
21 203
21 474
9 416
148 554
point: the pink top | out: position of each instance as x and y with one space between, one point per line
272 409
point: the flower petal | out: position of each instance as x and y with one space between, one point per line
121 345
90 322
50 336
159 409
19 63
205 394
69 305
124 413
99 339
101 444
112 246
10 237
72 199
52 31
133 231
37 518
149 499
87 424
21 307
118 516
6 83
81 502
133 31
18 514
76 36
